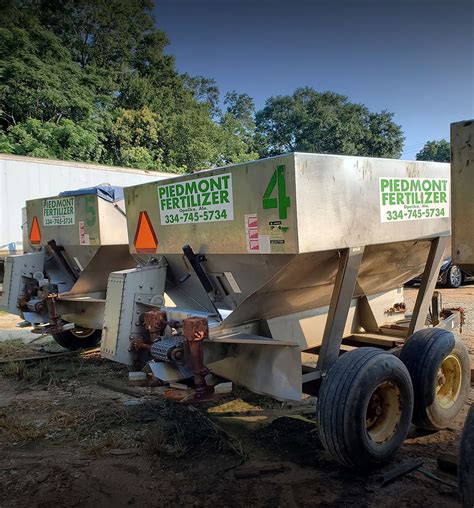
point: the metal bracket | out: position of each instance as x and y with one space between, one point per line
342 294
367 317
428 283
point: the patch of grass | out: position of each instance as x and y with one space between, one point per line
185 430
110 441
155 440
40 372
162 441
81 424
64 420
13 369
20 431
11 348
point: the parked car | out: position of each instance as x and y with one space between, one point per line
450 275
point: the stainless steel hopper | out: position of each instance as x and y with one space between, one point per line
74 242
306 210
283 275
304 249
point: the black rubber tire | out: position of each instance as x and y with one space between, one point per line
343 402
72 342
466 462
450 283
423 354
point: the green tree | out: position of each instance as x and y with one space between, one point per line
135 139
204 90
438 151
97 69
238 129
327 122
57 140
38 79
242 109
111 34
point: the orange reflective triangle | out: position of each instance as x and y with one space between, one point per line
145 238
35 233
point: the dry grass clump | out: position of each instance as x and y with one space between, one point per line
184 430
11 348
164 440
40 372
20 431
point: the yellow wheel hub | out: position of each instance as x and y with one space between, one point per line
448 381
383 412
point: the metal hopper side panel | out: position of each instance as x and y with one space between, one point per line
307 280
249 183
343 201
462 175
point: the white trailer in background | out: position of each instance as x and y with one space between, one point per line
25 178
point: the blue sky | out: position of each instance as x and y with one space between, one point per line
414 58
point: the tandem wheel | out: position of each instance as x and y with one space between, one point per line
365 407
439 367
78 338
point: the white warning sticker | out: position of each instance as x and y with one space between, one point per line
251 232
83 237
256 243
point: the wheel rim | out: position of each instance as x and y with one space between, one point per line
448 381
383 412
82 333
455 276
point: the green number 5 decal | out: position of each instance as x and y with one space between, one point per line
282 201
91 215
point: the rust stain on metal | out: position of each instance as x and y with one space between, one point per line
155 322
195 330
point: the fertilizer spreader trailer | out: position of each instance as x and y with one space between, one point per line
25 178
282 275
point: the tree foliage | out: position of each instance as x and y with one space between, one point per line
327 122
438 151
90 80
63 140
96 72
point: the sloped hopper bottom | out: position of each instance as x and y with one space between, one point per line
276 285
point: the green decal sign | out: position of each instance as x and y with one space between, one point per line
277 185
58 212
207 199
403 199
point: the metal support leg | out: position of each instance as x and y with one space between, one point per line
339 307
367 317
428 283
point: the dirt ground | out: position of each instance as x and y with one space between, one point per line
65 440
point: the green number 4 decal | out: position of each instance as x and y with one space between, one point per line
282 201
